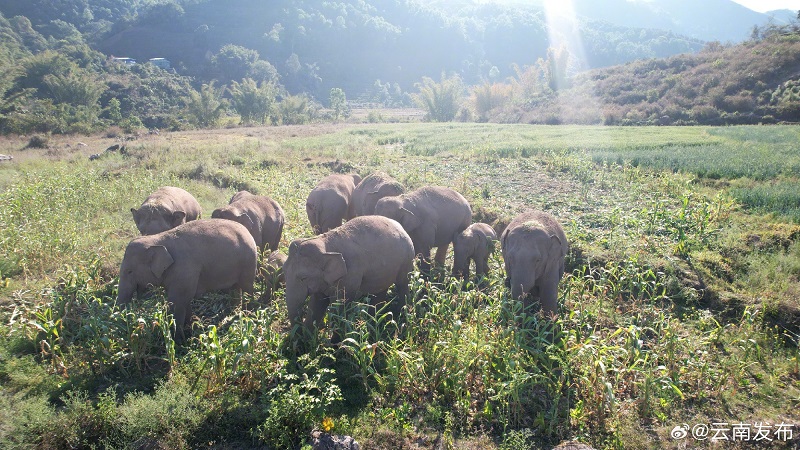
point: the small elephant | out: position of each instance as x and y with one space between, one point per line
534 247
262 216
330 202
366 255
432 216
164 209
373 188
273 271
188 261
475 243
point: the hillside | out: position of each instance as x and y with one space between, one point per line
754 82
317 46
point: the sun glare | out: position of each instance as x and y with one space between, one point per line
564 33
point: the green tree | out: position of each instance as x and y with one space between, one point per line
440 100
253 102
76 88
234 62
338 103
205 107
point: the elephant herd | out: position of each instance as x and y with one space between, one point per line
385 229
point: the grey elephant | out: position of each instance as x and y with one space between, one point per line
432 216
330 202
534 248
262 216
188 261
164 209
366 255
273 272
476 243
373 188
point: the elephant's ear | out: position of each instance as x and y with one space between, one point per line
556 245
409 220
491 243
178 217
134 211
334 267
247 221
159 259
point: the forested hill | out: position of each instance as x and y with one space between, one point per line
348 44
757 81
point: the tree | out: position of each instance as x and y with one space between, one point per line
205 107
556 68
253 102
338 103
440 100
234 62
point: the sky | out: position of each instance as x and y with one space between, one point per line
769 5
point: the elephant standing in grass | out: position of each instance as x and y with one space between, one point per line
431 215
475 243
262 216
366 255
164 209
330 202
188 261
534 249
373 188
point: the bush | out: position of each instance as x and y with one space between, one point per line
38 141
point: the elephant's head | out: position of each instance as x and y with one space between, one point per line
465 246
529 259
399 209
382 190
142 266
153 219
310 270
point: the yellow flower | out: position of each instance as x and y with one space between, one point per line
327 424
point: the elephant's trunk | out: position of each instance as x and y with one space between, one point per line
460 265
125 290
295 297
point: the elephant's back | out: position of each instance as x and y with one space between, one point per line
172 198
377 233
535 222
211 236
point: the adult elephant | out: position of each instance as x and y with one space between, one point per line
329 203
366 255
534 249
188 261
432 216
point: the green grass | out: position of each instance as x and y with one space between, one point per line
679 302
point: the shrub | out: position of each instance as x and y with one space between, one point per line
38 141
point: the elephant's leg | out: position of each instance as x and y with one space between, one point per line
548 295
441 254
179 296
481 266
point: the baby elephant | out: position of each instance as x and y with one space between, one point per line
262 216
534 246
273 273
164 209
372 189
330 202
366 255
475 243
431 215
188 261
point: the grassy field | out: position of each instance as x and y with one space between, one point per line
681 302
